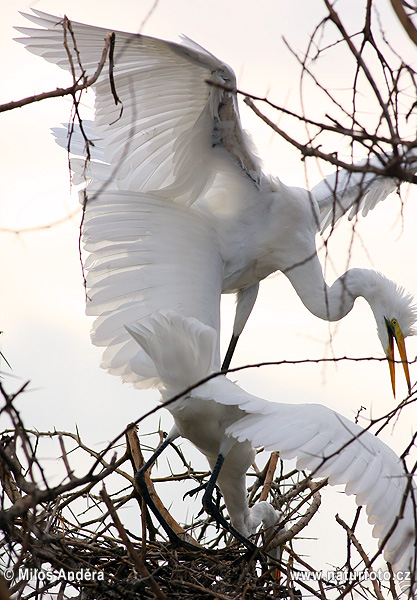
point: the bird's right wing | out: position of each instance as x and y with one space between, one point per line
360 190
323 441
329 445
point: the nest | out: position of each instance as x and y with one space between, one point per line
73 538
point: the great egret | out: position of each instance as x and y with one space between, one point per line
224 422
162 129
178 211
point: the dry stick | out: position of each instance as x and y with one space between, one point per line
37 496
362 554
269 476
405 20
360 135
301 523
76 437
136 457
137 559
200 588
312 592
391 582
308 150
59 92
138 461
8 483
37 228
361 63
289 578
64 457
4 589
294 556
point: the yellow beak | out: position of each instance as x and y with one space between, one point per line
394 332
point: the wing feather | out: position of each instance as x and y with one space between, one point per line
163 135
145 254
345 191
348 455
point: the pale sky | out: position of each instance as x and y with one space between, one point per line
46 334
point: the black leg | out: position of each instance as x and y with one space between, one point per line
229 353
246 298
211 508
143 489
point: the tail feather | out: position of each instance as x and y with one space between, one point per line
182 348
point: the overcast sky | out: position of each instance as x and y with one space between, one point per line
46 334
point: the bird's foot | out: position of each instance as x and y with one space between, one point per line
195 490
202 487
175 540
253 552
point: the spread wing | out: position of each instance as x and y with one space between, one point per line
354 191
145 254
171 132
329 445
324 442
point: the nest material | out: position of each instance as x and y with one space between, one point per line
71 539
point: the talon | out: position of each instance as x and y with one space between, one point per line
194 491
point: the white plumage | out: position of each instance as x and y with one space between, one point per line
178 211
323 441
175 137
140 260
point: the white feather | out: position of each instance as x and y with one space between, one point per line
342 450
179 143
139 262
346 191
174 135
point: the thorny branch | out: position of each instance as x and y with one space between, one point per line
68 91
46 526
400 8
362 554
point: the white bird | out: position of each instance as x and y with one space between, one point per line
177 212
225 423
169 134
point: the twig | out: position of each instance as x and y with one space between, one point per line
309 150
138 461
272 465
59 92
406 22
289 534
139 564
362 554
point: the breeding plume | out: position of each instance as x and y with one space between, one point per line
226 423
161 130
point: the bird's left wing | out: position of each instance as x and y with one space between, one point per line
360 189
182 349
162 126
145 254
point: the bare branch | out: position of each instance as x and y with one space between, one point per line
60 92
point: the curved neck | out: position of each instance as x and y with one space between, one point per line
330 303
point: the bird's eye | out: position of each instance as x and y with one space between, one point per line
394 321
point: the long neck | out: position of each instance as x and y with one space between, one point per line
330 303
